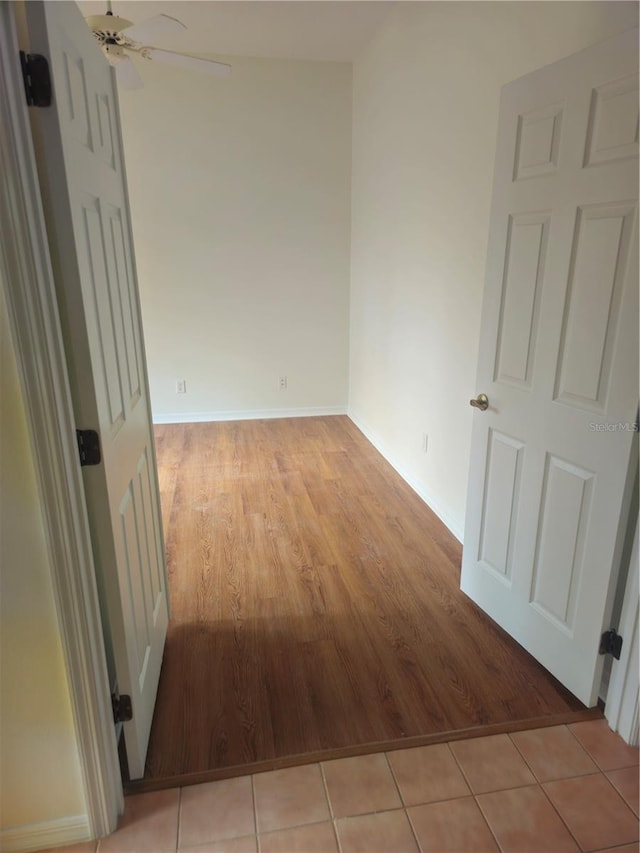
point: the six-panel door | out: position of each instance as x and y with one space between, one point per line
558 360
86 205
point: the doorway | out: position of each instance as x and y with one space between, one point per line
96 712
316 609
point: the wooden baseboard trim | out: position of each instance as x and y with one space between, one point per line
140 786
246 415
50 833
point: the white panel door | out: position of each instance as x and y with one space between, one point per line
558 359
84 191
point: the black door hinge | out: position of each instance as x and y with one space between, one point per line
88 446
37 79
122 710
611 644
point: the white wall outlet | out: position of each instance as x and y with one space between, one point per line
181 386
425 442
282 383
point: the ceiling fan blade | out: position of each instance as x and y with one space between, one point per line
127 74
153 29
209 66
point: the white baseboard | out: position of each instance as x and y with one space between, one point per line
48 833
419 488
245 415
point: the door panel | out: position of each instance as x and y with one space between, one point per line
523 274
600 258
563 514
558 359
500 511
86 207
613 126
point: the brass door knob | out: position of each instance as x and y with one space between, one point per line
481 402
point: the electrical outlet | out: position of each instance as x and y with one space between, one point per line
282 383
425 442
181 386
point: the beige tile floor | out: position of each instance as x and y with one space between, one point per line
565 788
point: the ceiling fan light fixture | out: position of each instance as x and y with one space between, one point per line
114 53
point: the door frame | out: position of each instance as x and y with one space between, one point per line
622 708
29 288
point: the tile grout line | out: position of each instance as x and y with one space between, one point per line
586 748
332 818
460 767
484 818
406 811
551 803
402 802
178 827
475 797
611 782
523 757
255 811
259 834
594 772
395 781
540 783
544 793
326 790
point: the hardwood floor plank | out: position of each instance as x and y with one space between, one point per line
316 607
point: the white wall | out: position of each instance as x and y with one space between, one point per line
240 199
425 112
40 777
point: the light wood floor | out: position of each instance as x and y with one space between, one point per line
315 605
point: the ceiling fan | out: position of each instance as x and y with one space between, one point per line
119 39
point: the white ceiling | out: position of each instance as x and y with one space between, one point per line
328 30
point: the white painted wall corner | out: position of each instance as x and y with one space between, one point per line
443 513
